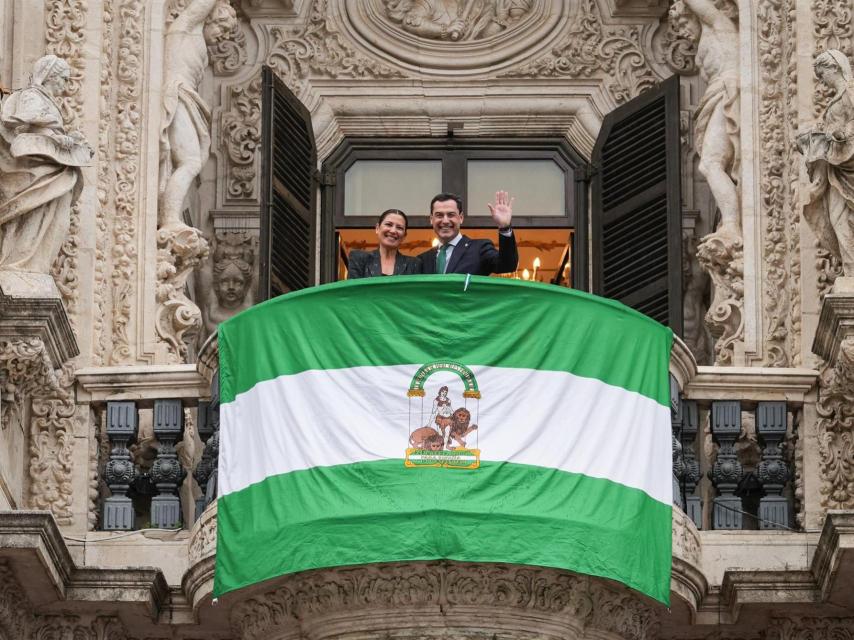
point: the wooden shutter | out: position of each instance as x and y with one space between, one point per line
288 191
636 206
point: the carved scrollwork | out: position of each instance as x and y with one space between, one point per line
51 447
312 50
779 171
806 628
835 408
229 55
178 319
588 603
241 131
593 47
65 32
721 254
28 366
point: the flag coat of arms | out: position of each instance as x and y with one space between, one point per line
435 417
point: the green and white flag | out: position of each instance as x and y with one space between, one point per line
428 417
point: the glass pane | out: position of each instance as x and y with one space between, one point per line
372 186
537 186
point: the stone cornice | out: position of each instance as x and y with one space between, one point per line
27 533
835 322
42 318
752 383
147 382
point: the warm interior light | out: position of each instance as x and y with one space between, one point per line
526 275
537 262
435 242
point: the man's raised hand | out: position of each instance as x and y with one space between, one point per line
502 210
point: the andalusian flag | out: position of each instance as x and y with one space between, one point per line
427 417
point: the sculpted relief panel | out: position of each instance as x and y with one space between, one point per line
457 19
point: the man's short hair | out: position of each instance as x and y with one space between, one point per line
442 197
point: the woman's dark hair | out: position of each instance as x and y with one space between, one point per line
396 212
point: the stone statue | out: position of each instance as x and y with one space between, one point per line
233 277
717 118
185 137
39 171
457 19
828 150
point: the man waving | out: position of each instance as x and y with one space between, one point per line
457 253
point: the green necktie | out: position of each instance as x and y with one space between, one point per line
440 261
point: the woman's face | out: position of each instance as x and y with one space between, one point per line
391 231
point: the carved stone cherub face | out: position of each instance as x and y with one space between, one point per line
231 286
220 23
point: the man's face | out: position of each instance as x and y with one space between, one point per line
446 220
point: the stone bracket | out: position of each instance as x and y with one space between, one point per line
42 318
835 323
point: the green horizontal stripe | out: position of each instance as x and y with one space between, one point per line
382 512
417 319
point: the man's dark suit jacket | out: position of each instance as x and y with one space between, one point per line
366 264
479 257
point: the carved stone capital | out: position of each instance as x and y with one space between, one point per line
443 599
807 628
26 365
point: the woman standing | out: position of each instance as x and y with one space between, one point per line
829 154
387 259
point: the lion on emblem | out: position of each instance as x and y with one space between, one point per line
427 438
460 428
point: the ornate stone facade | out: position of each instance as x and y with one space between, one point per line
145 286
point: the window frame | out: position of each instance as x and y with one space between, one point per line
454 153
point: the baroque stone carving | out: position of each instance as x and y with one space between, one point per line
184 148
722 255
28 367
39 170
228 54
828 152
128 142
778 182
806 628
233 277
16 617
51 445
444 585
314 49
835 409
185 120
593 47
178 319
65 32
241 130
68 627
678 43
455 19
716 122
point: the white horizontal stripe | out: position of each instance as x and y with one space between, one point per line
544 418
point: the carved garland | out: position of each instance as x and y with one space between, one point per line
104 183
593 47
778 171
127 154
443 586
835 408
